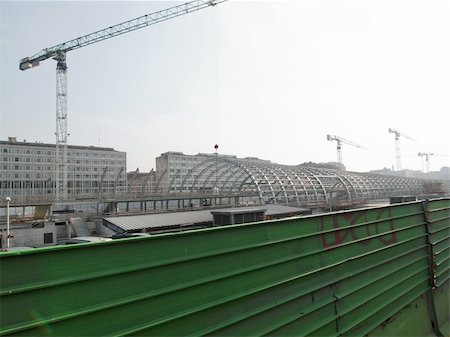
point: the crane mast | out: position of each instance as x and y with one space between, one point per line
398 159
427 155
339 142
61 126
58 53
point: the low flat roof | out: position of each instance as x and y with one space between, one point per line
173 219
239 210
38 144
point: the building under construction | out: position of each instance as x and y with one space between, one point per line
29 170
300 185
211 174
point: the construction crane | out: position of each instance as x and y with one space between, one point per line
339 142
426 155
398 158
58 53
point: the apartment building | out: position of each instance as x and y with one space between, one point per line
29 169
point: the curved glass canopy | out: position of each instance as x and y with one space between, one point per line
289 185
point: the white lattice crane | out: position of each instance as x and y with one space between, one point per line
427 156
58 53
339 141
427 163
398 134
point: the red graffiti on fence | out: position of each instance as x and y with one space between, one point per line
347 228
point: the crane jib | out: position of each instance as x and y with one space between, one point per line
119 29
58 53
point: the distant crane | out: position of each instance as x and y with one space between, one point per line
58 53
340 141
427 156
398 158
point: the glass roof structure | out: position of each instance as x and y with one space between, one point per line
290 185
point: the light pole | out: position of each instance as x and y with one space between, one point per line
8 199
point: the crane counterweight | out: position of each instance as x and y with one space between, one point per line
25 63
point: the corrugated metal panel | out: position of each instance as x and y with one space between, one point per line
344 273
137 222
129 223
437 217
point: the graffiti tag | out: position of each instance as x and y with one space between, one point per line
355 226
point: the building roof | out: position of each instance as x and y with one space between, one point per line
239 210
15 142
174 219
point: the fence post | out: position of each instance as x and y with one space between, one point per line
431 270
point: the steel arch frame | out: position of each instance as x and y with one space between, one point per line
284 184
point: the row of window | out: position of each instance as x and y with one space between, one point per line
186 158
178 164
40 184
26 168
25 175
35 168
26 160
180 170
50 192
69 153
180 189
14 176
53 160
27 151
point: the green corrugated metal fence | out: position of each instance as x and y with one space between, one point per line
374 271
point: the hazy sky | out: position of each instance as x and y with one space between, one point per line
268 79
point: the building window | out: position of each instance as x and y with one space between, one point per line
48 237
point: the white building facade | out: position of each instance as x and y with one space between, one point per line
29 169
178 172
172 167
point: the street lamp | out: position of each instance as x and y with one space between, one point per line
8 199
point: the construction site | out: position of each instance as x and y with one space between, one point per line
215 243
88 181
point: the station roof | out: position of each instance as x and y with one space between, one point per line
176 219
